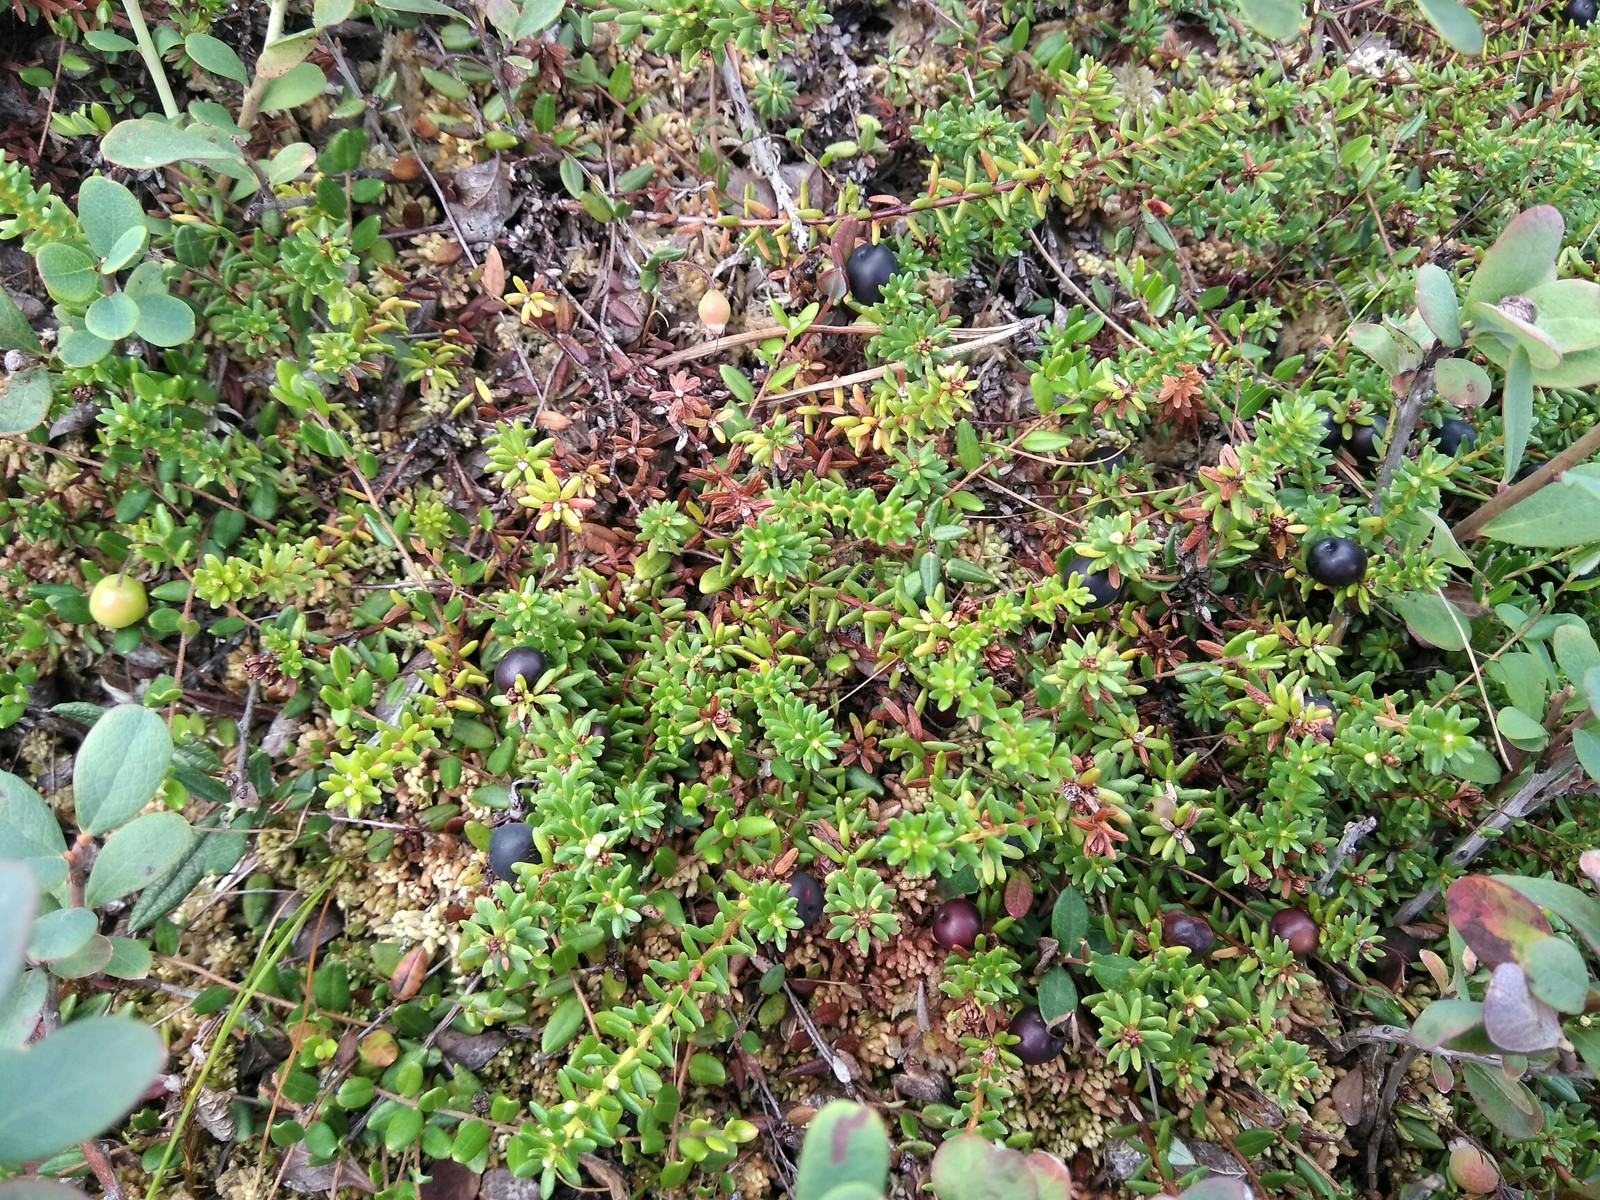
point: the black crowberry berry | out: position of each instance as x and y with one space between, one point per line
1336 561
868 268
1454 434
1107 458
1099 583
1330 430
1364 442
1179 928
519 661
1581 12
509 845
1037 1044
957 924
1295 926
807 893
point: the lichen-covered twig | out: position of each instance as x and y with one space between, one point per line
1353 833
762 154
1540 788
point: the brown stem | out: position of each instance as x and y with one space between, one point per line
1578 452
110 1188
79 859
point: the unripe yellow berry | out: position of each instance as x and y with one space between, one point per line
714 311
118 601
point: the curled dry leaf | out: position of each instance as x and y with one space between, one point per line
340 1174
605 1173
449 1181
501 1184
472 1051
493 281
408 976
918 1083
212 1111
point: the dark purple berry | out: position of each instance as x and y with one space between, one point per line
1454 434
1399 949
1036 1044
509 845
1107 458
518 662
807 893
1365 440
1179 928
957 924
1101 590
1581 12
1336 561
868 268
943 717
1295 926
1330 429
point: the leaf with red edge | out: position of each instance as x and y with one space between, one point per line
1495 920
1050 1176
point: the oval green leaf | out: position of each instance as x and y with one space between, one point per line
147 143
216 56
1559 515
15 332
135 856
19 898
293 88
1069 921
164 320
1522 257
61 933
1455 24
119 767
69 273
1276 20
25 401
1436 301
73 1085
112 317
1557 973
125 249
845 1144
106 211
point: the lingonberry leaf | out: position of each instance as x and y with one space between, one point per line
1493 918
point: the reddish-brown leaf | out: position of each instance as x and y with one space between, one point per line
1019 894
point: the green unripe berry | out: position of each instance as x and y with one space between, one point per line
118 601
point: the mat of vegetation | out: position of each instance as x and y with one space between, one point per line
754 597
